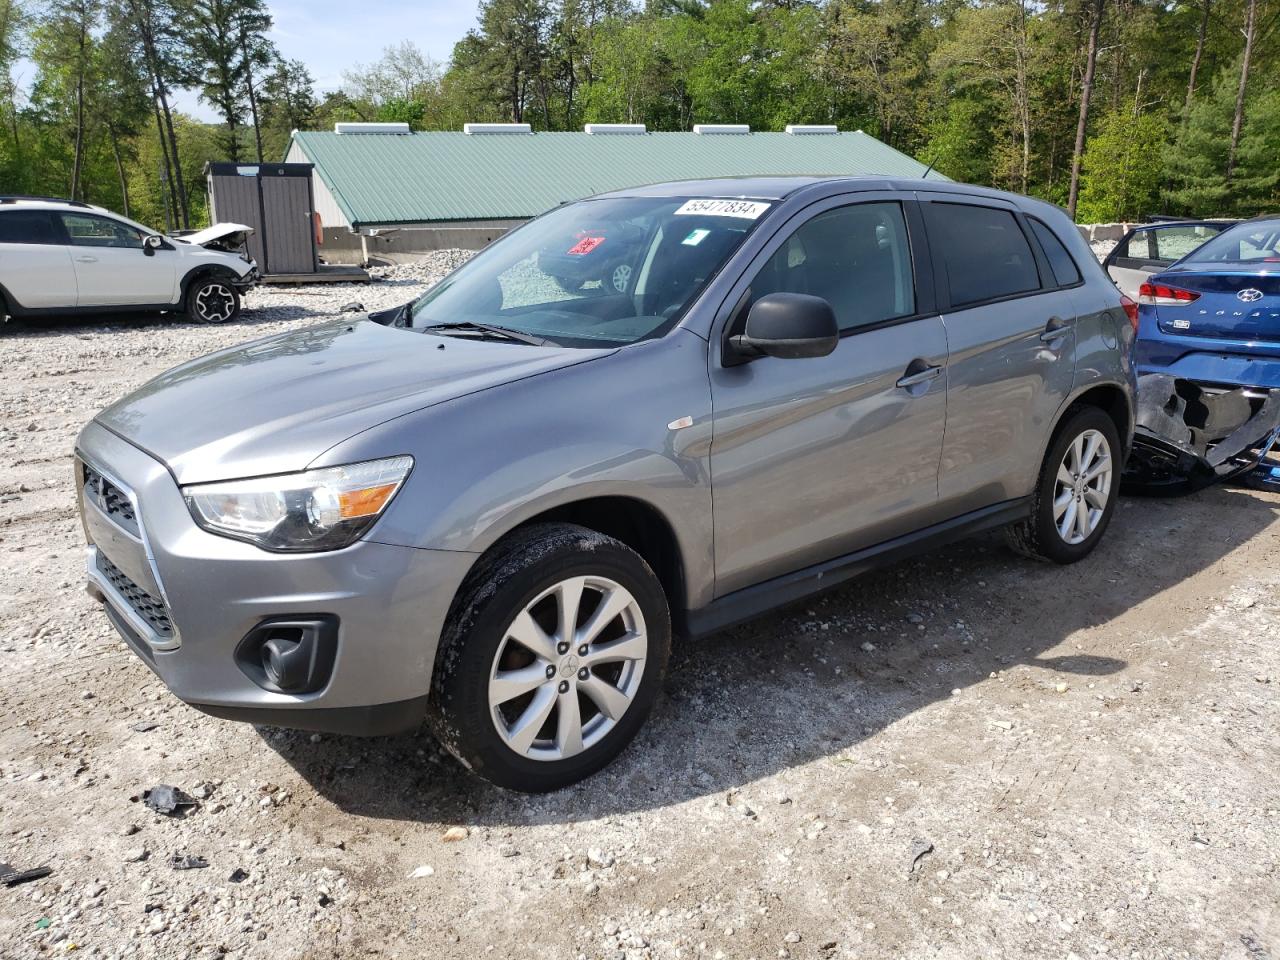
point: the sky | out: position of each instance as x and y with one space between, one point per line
331 36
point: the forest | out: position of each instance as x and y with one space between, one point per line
1115 109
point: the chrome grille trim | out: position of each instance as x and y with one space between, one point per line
111 499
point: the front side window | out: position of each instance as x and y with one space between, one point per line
1252 242
1065 271
595 273
27 226
857 258
88 231
983 250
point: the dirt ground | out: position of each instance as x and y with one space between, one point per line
1089 755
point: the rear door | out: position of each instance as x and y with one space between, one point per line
815 458
1011 333
1148 250
35 265
112 266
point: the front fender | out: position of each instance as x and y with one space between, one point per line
488 462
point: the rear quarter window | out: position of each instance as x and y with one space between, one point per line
1064 268
984 253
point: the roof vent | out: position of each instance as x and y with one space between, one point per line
598 128
803 129
348 128
721 128
474 128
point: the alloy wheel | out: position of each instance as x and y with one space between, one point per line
215 303
568 668
621 277
1082 487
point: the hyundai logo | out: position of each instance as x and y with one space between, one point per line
1249 294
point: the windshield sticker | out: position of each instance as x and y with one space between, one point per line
742 209
695 237
585 245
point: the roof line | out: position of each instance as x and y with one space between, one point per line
347 210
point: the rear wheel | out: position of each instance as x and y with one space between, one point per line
212 300
1076 493
551 659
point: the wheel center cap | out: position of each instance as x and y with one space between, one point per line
569 666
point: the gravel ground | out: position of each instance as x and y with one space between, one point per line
1089 756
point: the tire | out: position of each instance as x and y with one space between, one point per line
524 580
212 300
1039 536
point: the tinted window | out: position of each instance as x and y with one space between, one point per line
856 258
1060 262
26 226
983 250
87 231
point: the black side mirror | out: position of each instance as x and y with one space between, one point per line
151 243
789 326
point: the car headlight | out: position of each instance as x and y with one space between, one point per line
324 509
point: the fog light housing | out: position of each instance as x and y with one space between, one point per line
290 654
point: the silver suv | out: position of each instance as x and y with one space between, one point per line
68 257
492 507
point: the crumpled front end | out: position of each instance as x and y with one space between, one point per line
1191 434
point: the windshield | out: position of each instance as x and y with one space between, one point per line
596 273
1257 241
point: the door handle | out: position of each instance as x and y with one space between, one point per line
1055 330
86 259
923 375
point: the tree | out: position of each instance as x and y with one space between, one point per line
258 55
1096 9
1237 120
1122 168
64 52
215 63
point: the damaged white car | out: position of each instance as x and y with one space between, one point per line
67 257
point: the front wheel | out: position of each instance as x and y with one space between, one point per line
551 659
1076 493
212 300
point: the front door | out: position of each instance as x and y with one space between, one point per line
815 458
112 266
1011 332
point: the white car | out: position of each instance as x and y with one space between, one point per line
68 257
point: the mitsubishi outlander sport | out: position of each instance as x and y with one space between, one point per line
494 506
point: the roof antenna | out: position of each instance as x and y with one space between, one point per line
927 171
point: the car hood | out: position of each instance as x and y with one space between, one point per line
232 234
274 405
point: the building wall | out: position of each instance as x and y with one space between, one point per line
400 244
331 214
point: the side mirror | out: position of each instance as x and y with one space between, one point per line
789 326
151 243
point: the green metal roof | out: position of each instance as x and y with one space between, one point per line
408 178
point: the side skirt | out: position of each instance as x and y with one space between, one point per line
750 602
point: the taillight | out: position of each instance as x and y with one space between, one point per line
1162 295
1131 311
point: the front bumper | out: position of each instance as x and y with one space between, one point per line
183 599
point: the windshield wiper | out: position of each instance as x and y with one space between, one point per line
507 333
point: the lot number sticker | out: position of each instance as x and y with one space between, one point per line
742 209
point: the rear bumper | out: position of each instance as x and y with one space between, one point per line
1203 365
184 599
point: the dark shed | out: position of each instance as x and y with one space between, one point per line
276 200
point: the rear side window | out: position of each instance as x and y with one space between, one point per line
27 226
984 252
1060 262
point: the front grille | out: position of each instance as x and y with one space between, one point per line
149 608
113 501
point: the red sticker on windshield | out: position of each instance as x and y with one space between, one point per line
585 245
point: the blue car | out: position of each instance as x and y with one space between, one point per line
1213 317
